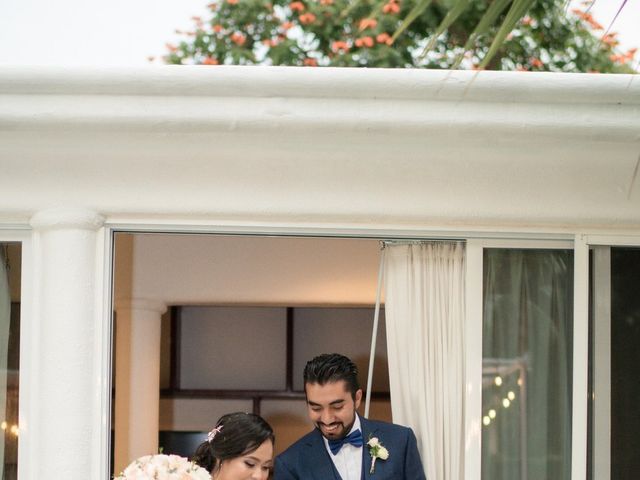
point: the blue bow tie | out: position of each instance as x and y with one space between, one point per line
354 438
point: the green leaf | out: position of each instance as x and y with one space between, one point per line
415 12
483 26
516 12
451 16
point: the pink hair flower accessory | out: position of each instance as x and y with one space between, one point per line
212 434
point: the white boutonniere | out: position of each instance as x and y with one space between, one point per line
377 451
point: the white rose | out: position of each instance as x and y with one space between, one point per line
373 441
383 453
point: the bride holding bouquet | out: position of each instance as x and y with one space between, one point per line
240 447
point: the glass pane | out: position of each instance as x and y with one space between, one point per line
210 338
625 363
527 353
10 259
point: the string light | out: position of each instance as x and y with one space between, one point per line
510 397
3 425
14 430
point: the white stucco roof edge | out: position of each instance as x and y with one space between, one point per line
322 144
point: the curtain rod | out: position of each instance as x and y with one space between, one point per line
384 243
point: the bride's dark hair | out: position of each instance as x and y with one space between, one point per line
234 435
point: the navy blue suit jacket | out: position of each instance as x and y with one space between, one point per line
308 459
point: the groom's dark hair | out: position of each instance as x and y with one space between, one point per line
332 367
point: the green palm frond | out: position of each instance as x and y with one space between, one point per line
452 15
415 12
515 13
483 26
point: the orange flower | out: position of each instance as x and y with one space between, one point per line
326 2
595 25
366 42
210 61
391 8
212 6
217 28
310 62
171 48
384 38
588 18
340 46
238 38
232 2
196 19
368 23
286 26
307 18
296 6
618 58
536 62
269 42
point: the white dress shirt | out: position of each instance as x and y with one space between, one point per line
348 460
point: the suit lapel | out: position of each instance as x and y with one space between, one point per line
321 465
367 432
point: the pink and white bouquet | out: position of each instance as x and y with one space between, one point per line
163 467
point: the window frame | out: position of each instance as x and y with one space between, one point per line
473 340
475 242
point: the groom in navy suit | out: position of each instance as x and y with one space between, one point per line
345 446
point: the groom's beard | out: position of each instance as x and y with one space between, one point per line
340 431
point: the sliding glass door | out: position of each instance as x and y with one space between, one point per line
526 364
528 417
524 317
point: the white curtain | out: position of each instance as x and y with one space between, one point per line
424 308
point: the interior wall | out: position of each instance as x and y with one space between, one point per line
248 270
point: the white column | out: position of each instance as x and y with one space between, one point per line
64 403
137 379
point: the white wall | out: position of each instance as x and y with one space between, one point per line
249 270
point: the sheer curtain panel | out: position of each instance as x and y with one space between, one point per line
425 301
